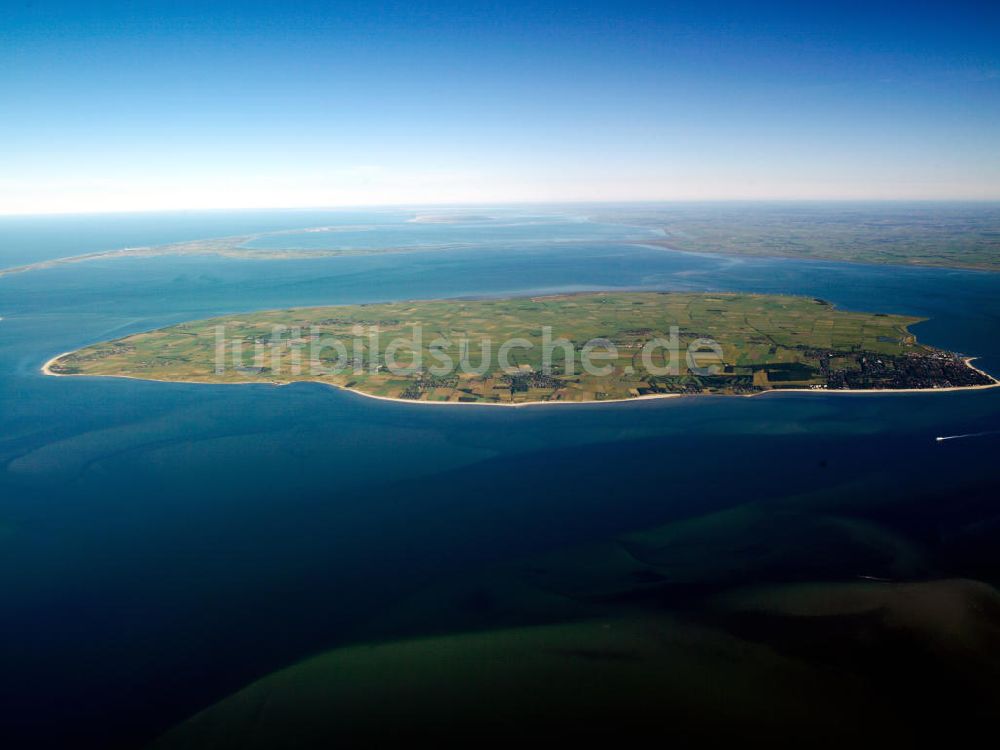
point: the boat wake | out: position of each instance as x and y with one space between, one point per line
942 438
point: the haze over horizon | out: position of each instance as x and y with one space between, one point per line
114 107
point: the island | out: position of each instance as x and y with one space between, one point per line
570 348
225 247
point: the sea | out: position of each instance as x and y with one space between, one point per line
164 545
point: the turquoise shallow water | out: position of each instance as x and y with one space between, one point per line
29 239
165 544
504 229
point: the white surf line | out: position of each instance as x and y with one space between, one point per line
942 438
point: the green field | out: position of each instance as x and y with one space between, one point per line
570 348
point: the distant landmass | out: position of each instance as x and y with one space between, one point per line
953 235
555 349
229 247
940 235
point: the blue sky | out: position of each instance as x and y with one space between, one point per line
128 106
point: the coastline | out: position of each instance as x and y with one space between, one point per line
46 369
777 255
968 363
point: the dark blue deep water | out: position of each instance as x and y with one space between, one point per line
164 544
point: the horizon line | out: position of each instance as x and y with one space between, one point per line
416 206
